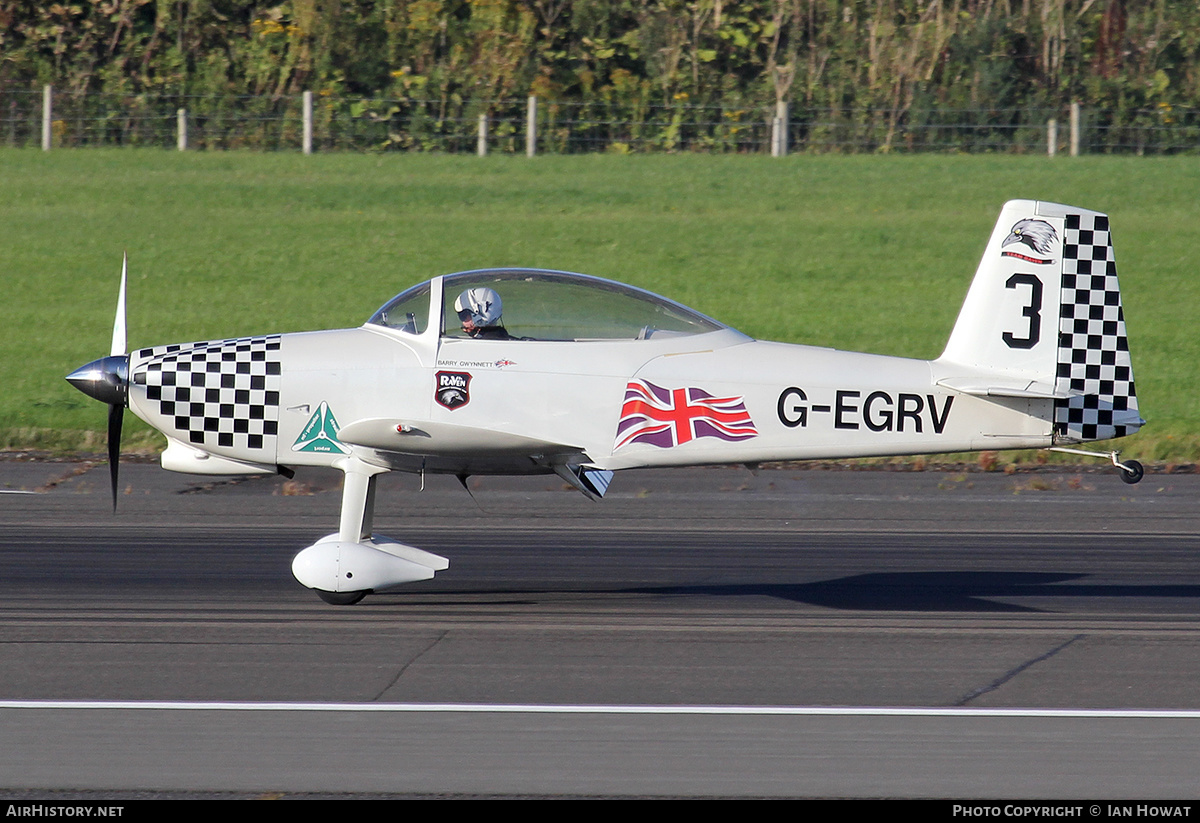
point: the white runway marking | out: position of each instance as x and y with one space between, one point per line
530 708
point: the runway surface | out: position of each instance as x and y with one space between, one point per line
778 591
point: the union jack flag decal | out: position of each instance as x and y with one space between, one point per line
670 417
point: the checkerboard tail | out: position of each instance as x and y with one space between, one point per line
1043 321
1094 367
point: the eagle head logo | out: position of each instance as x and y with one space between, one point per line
1036 234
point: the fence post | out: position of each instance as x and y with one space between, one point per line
181 129
531 127
306 105
1051 137
1074 129
481 143
47 106
779 135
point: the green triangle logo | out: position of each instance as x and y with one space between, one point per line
320 433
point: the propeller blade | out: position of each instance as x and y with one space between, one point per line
107 380
116 413
118 337
116 416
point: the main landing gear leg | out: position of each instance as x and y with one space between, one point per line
358 501
358 515
345 566
1131 470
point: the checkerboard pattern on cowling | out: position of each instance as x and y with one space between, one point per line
1093 351
221 394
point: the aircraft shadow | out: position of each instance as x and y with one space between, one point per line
964 592
936 591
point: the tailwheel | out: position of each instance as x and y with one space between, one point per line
340 598
1131 471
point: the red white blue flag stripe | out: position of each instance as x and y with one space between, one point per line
671 417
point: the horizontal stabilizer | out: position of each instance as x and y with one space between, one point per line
999 387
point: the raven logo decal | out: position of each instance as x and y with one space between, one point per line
453 389
1038 235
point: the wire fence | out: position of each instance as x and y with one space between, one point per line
571 127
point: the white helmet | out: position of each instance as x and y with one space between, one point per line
481 304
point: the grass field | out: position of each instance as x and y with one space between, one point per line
858 252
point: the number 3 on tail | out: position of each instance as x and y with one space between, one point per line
1033 311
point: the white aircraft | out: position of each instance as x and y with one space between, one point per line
581 377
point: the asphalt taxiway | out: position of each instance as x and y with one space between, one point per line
787 632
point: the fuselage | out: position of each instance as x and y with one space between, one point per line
715 397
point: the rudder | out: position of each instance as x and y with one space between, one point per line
1094 366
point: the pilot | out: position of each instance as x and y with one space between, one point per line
479 309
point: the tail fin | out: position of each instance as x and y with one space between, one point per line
1043 319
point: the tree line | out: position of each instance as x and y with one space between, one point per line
889 55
